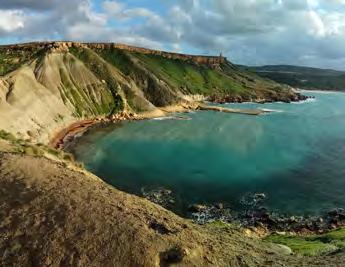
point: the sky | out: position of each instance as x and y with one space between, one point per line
251 32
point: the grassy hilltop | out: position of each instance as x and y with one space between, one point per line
302 77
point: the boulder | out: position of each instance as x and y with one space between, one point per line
282 249
197 208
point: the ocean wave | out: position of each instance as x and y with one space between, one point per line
320 91
163 118
308 100
272 110
171 118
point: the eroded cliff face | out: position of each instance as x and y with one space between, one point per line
45 86
57 89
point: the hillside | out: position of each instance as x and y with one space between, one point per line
302 77
55 213
61 215
48 85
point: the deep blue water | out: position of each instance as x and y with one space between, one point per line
295 156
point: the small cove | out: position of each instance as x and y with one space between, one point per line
295 156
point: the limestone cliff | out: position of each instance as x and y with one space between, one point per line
46 85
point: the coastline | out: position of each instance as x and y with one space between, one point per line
70 131
257 221
65 135
319 91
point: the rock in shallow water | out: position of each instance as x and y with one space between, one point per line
197 208
160 196
203 214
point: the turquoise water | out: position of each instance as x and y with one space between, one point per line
296 156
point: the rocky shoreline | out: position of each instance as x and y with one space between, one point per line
293 97
255 217
67 134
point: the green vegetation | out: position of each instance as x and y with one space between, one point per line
311 245
185 76
303 77
138 79
117 58
111 101
24 147
190 78
84 99
7 136
11 60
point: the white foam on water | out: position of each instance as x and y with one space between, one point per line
171 118
272 110
320 91
163 118
308 100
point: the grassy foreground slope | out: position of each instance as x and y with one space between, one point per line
302 77
61 215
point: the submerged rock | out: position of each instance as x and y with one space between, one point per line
160 196
252 200
336 216
259 196
203 214
197 208
219 206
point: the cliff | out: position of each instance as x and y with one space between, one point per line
47 85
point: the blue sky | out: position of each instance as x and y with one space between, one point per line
252 32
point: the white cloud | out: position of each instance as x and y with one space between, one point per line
247 31
139 12
337 2
317 28
113 7
11 20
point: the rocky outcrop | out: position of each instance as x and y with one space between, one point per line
286 98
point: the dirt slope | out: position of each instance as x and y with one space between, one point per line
55 216
52 215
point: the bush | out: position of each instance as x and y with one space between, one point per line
7 136
311 245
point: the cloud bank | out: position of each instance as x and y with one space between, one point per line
253 32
